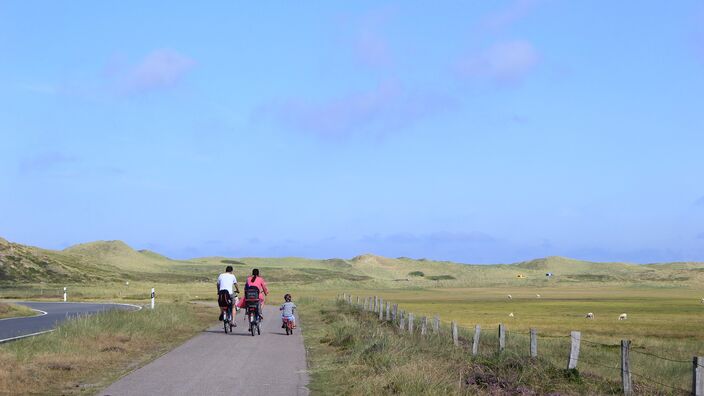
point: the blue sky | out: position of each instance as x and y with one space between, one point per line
477 132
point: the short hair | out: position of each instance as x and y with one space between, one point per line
228 269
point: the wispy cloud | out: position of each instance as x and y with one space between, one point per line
508 15
385 108
160 69
699 201
372 49
45 162
507 62
371 45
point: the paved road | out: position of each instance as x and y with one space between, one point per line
50 314
215 363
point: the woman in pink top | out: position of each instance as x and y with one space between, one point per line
259 283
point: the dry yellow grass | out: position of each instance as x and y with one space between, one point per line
86 354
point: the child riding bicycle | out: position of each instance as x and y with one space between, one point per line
288 309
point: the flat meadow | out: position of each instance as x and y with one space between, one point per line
664 324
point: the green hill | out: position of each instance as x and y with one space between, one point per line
116 261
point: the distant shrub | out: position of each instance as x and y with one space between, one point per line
416 273
233 262
440 277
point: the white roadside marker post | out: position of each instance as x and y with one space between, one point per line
64 294
152 298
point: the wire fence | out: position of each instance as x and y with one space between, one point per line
646 372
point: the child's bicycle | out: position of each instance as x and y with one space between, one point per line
251 298
288 325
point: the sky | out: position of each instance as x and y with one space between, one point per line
471 131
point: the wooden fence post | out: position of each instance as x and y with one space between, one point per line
381 309
502 337
698 376
394 313
455 336
401 321
475 341
374 304
358 302
436 324
575 338
411 320
349 299
533 343
423 326
388 311
344 297
626 368
365 303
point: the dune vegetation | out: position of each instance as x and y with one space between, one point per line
550 294
8 310
84 355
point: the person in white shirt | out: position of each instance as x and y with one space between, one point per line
226 282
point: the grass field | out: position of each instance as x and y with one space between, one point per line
86 354
662 300
661 321
351 353
8 310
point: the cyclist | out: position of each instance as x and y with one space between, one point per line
256 281
288 309
226 282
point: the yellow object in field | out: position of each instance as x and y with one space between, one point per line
520 276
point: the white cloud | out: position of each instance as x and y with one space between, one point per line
160 69
387 107
507 62
507 16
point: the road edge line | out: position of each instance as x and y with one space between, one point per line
25 336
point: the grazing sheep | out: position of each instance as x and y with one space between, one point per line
537 295
702 300
590 315
623 316
510 315
510 297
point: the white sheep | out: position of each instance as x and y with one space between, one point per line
510 297
590 315
702 301
537 295
623 316
510 315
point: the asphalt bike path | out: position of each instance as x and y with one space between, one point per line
49 315
215 363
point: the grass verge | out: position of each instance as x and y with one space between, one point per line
8 310
351 353
86 354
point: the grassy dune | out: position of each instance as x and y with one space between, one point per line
662 300
8 310
86 354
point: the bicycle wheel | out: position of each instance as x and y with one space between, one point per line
259 331
224 324
251 328
288 331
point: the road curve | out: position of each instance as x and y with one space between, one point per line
50 314
215 363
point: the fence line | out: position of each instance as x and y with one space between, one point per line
405 321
